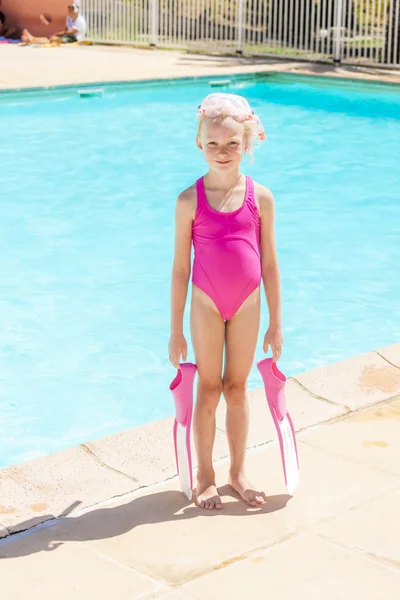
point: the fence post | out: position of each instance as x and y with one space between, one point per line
239 25
154 22
337 40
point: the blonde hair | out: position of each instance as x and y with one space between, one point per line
249 127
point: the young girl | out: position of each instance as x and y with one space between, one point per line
230 220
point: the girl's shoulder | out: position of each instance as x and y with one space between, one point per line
189 194
263 197
187 200
262 191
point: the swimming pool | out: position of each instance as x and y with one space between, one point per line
88 188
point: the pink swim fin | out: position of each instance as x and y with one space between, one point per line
274 384
182 391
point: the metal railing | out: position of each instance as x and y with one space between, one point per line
351 31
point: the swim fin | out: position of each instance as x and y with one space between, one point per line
274 384
182 391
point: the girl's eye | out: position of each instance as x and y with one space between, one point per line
212 143
232 143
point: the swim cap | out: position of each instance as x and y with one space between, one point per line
231 105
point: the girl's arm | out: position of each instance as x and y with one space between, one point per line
180 274
270 272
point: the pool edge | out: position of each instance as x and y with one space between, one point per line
48 488
346 74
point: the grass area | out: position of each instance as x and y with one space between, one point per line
365 43
280 51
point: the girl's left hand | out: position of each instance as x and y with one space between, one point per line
274 338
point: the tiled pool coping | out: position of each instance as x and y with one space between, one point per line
114 86
66 482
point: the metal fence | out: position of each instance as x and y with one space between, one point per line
350 31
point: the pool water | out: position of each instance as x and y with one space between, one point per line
88 188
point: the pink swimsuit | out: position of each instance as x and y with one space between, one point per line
227 264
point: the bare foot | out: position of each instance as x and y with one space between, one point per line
245 490
26 36
207 494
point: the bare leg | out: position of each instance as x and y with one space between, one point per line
28 38
241 342
40 40
208 333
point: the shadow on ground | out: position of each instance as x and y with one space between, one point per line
113 521
224 60
288 65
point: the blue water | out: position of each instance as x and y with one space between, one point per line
87 194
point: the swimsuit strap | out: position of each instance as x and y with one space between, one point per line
250 195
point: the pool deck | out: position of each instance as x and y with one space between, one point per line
114 523
25 67
106 519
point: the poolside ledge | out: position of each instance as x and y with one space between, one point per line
69 481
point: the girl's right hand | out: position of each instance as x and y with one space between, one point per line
177 347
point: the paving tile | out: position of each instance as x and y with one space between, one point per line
371 437
47 565
147 452
391 353
46 487
130 532
169 595
356 382
329 484
371 528
98 64
176 596
304 409
160 533
305 568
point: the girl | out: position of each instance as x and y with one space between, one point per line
230 220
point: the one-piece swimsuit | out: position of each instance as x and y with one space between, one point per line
227 264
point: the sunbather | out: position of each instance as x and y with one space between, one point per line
75 30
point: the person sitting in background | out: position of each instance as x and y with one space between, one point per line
6 32
75 26
75 30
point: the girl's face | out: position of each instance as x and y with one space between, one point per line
223 142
